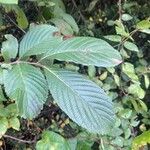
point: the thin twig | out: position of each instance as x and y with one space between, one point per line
120 10
126 38
19 140
15 23
75 5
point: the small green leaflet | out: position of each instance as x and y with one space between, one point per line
114 38
136 90
14 123
52 141
82 100
126 17
9 47
144 24
21 18
27 85
129 70
131 46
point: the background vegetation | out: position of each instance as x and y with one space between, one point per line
125 25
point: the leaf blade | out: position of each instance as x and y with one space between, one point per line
86 51
82 100
30 90
53 141
38 40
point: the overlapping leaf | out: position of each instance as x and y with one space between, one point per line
82 100
87 51
9 47
26 84
38 40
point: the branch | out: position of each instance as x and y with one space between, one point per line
120 9
19 140
15 23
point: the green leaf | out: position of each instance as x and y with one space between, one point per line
91 71
57 11
121 31
143 105
117 79
27 85
39 39
9 47
52 141
129 70
9 1
70 20
82 100
131 46
144 24
145 31
125 113
3 126
141 140
146 80
114 38
87 51
136 90
4 112
21 18
118 141
12 110
126 17
63 26
103 76
14 123
115 132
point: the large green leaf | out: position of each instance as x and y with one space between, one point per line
52 141
38 40
87 51
27 85
82 100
